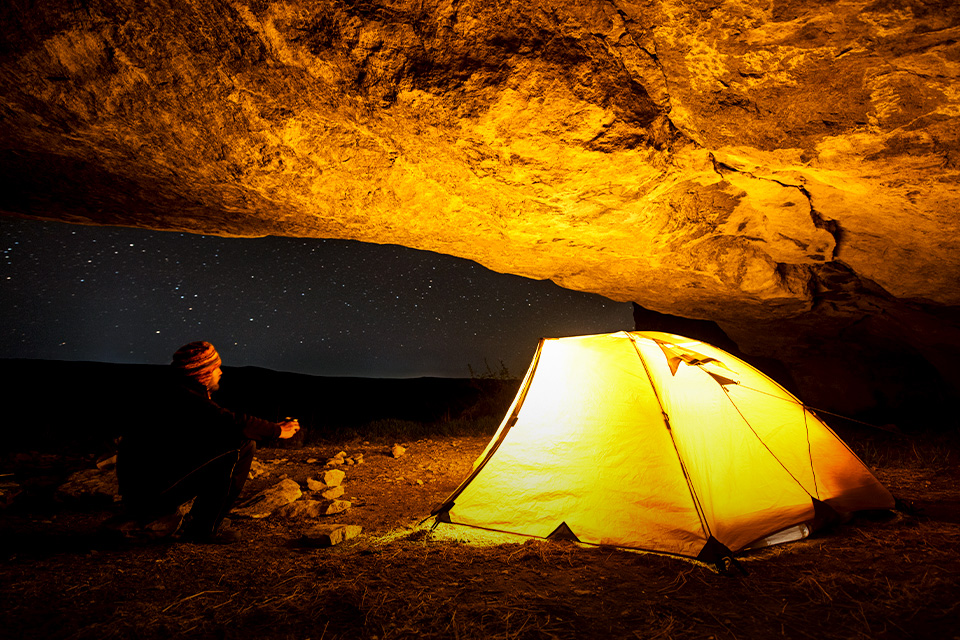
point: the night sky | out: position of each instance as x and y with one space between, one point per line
323 307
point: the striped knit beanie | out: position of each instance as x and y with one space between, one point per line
197 360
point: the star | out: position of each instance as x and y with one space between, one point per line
324 307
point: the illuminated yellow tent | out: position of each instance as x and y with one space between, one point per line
653 441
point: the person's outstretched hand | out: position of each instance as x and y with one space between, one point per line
288 429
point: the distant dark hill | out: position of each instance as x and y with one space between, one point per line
335 402
55 405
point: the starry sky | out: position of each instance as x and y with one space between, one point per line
322 307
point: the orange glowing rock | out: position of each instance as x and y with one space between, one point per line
735 163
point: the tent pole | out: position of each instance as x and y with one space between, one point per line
666 423
507 425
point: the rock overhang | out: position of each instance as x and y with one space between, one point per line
787 169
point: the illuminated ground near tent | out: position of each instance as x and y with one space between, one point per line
475 536
892 578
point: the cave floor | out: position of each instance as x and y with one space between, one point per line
890 576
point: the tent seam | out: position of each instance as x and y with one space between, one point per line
666 421
813 471
765 446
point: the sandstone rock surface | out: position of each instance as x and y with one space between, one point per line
328 491
302 509
331 507
270 499
258 469
91 484
330 534
332 493
333 477
789 169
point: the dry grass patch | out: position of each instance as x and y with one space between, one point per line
893 576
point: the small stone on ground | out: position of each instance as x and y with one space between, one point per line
328 535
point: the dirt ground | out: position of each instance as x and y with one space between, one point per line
890 576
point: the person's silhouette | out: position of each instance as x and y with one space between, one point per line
188 446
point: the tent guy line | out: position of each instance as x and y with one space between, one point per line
812 409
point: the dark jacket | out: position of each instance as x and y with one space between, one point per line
182 430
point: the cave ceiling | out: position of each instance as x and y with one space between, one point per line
784 168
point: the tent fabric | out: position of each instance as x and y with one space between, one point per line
653 441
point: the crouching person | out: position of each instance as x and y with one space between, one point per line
188 447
